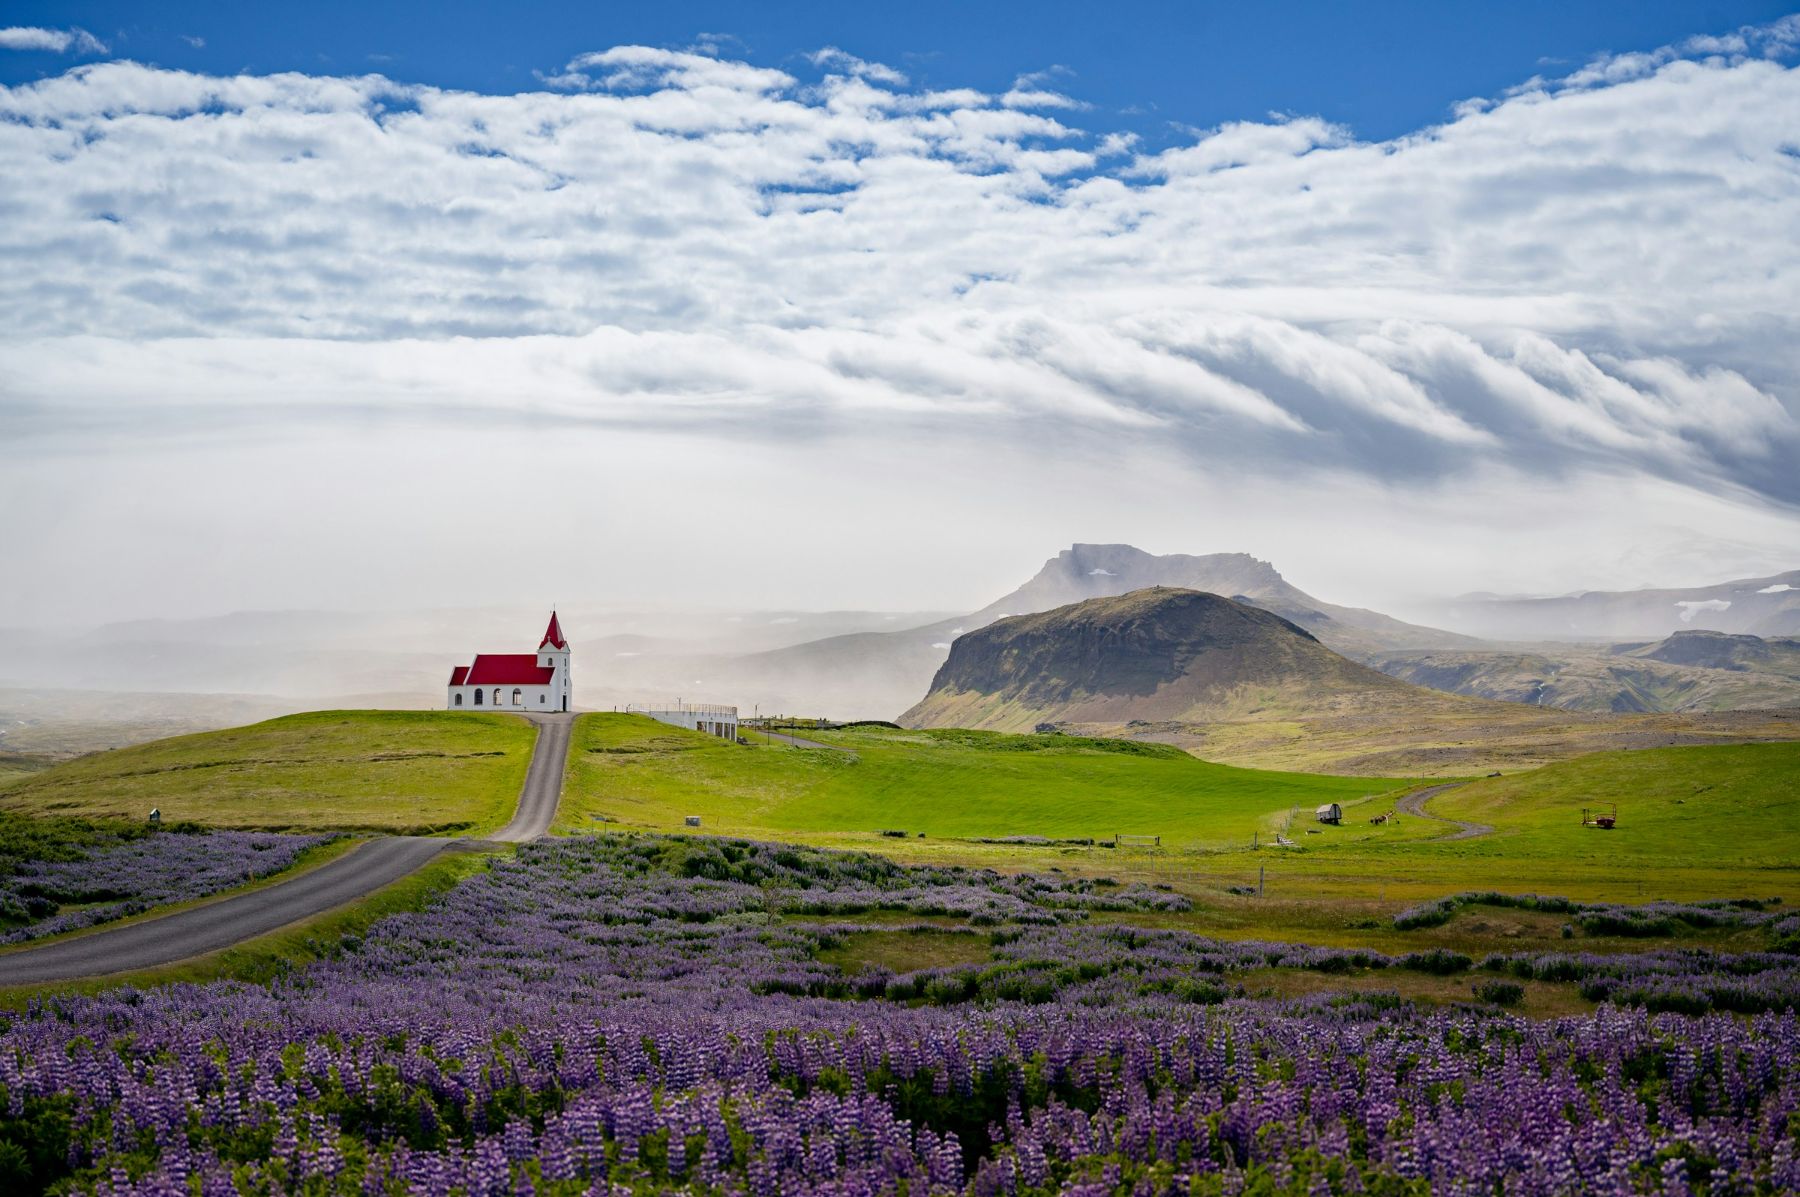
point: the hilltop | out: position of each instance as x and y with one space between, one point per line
1156 654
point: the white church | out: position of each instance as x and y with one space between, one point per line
516 681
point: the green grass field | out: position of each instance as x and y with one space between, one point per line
419 772
1737 802
1694 822
946 784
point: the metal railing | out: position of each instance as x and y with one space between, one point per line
682 708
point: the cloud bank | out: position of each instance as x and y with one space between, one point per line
1588 278
56 41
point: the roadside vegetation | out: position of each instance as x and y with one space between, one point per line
407 772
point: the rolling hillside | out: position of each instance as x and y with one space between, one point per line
627 771
418 772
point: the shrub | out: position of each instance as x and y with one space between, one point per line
1439 962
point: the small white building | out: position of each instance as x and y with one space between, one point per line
516 681
711 718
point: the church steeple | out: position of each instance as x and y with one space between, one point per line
553 637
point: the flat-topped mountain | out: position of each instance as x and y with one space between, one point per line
1085 571
1157 654
1722 650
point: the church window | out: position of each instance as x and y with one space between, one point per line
516 693
477 698
459 700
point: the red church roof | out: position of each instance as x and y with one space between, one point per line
553 634
507 669
458 674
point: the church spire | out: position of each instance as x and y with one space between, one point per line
553 636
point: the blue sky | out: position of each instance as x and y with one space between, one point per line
300 303
1381 69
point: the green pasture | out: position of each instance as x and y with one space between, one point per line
417 772
1695 822
945 784
1738 802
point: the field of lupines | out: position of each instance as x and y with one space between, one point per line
642 1015
111 876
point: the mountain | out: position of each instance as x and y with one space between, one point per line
874 674
1689 671
1239 685
1722 650
1085 571
1154 655
1754 606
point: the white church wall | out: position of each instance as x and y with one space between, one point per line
531 698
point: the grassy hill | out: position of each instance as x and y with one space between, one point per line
396 771
1156 654
642 774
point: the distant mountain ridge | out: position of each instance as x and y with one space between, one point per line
1688 671
1152 655
1756 606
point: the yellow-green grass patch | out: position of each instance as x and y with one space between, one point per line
408 772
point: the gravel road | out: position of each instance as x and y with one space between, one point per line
1414 804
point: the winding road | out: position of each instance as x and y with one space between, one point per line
231 920
1414 804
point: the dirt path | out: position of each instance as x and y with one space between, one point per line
1414 804
355 875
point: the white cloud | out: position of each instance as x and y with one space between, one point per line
1777 588
1580 284
833 59
57 41
693 234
